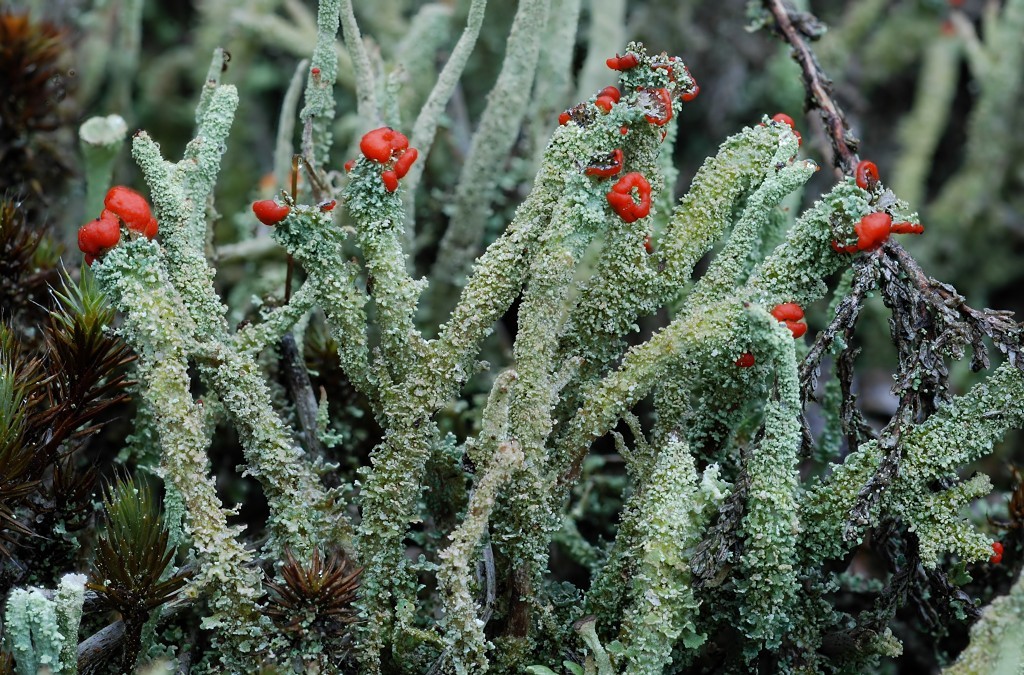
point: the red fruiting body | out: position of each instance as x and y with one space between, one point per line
621 197
788 311
349 165
906 228
130 206
788 121
315 71
149 232
612 166
866 174
671 71
626 62
664 100
564 118
746 360
785 119
692 93
997 553
648 246
380 144
327 205
405 161
97 236
270 212
791 313
623 130
607 97
872 231
390 179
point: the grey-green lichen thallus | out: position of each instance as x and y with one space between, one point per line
735 518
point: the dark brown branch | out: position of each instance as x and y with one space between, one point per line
95 650
721 547
865 280
999 326
855 427
302 393
796 28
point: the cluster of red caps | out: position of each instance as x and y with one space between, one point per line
661 97
659 101
630 197
269 212
792 315
384 146
121 205
873 229
788 313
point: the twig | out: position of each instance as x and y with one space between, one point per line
864 281
796 28
302 393
999 326
930 319
99 647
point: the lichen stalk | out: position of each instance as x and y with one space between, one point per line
135 281
366 89
318 111
671 511
465 630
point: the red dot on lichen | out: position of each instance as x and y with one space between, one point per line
610 166
626 62
872 231
797 328
660 103
788 311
